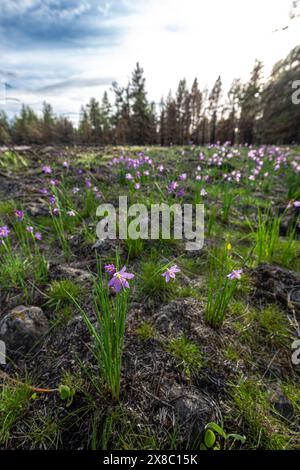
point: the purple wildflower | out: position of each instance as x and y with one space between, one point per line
29 229
110 269
44 191
172 186
52 200
235 274
171 273
47 170
19 214
203 192
38 236
71 213
55 211
88 183
119 280
181 192
4 231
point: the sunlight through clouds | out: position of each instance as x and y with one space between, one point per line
67 51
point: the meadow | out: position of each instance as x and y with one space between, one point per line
141 344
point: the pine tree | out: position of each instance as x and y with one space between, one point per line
48 124
250 105
171 120
140 119
94 114
196 106
162 123
214 103
64 130
280 117
227 126
84 130
5 132
181 97
27 127
106 119
121 118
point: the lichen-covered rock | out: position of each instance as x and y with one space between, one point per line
21 328
73 273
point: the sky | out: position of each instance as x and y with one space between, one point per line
65 51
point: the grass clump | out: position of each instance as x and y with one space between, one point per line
14 271
274 325
134 247
221 288
263 429
266 236
153 284
107 334
145 331
10 160
186 352
13 404
44 433
60 295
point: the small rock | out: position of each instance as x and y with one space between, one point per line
35 209
193 410
275 283
282 405
21 328
74 273
103 245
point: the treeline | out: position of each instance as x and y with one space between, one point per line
252 112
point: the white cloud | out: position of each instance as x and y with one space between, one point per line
171 39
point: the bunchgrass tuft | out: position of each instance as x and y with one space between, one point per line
221 289
14 400
145 331
186 353
108 333
263 429
60 294
153 284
